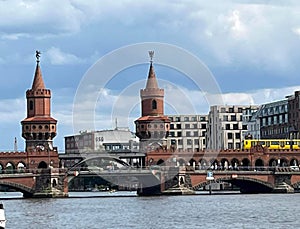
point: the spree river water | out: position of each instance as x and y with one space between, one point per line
126 210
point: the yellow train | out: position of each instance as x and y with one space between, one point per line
272 143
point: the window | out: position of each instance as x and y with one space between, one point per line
186 119
172 126
188 134
187 126
194 126
30 105
233 117
196 141
229 135
179 134
154 104
203 126
230 145
235 126
195 134
177 119
194 119
227 127
225 117
223 110
245 127
237 136
189 141
178 126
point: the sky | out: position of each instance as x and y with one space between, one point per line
95 58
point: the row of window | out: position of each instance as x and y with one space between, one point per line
187 119
187 134
188 141
273 120
233 118
187 126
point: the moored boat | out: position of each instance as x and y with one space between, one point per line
2 217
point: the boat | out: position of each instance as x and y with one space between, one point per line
2 216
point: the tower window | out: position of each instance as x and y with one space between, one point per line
154 104
31 105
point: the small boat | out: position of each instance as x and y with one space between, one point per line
2 217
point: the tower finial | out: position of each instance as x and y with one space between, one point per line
37 55
151 54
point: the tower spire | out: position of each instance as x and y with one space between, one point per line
38 82
151 81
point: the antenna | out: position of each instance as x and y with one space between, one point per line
116 123
15 145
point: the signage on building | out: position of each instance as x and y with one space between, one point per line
210 175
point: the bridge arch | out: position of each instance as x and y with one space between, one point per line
98 161
27 192
246 184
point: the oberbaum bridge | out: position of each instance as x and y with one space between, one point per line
39 171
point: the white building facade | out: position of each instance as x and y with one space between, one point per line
104 140
187 132
225 127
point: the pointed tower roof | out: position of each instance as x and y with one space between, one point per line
151 81
38 82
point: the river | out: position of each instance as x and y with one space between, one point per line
126 210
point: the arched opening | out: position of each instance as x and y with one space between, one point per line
294 162
259 164
54 183
273 162
160 162
224 164
1 168
181 162
42 165
203 164
235 164
214 164
9 168
284 162
154 104
21 167
246 164
192 162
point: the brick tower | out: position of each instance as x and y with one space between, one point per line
38 128
153 127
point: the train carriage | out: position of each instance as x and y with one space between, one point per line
272 143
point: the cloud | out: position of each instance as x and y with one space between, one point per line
58 57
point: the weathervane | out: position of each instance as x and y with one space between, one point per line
37 55
151 54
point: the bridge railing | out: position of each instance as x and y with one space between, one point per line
32 171
244 168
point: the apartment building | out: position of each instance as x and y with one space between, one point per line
187 132
225 127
